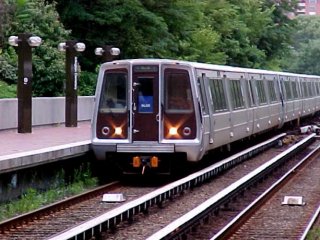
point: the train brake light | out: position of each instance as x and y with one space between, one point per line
136 162
154 161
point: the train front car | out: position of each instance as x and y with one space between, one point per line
146 115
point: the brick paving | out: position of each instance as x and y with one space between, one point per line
12 142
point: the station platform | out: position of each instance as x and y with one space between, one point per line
44 145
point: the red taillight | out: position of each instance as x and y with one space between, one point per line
105 131
186 131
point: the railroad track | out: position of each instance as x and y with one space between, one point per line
288 209
126 221
233 206
44 222
123 222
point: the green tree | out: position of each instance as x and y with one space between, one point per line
249 31
144 28
125 24
277 40
41 19
305 49
191 37
7 59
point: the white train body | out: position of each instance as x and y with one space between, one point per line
149 109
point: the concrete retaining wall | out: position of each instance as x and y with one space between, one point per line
45 110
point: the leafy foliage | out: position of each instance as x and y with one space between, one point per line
251 34
8 66
87 83
7 91
41 19
247 33
306 47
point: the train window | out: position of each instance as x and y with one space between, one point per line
310 89
178 96
288 90
236 94
272 91
145 94
205 106
305 89
252 101
261 92
218 95
114 92
295 89
315 88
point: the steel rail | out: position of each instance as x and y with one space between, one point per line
185 223
255 204
111 218
54 207
312 221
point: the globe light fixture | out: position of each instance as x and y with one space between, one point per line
107 52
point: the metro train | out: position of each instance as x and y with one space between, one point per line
149 110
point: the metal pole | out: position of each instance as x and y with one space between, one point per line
106 56
24 84
71 108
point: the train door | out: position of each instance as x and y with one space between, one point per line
282 100
206 100
297 104
252 103
239 119
273 99
261 109
288 98
145 103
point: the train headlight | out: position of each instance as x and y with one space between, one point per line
173 131
118 131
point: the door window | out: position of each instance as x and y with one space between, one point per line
145 95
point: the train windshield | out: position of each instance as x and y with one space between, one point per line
178 91
114 92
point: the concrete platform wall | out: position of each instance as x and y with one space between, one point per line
45 110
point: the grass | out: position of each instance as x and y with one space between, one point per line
314 234
7 91
33 199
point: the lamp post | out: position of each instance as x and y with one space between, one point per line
24 43
72 48
107 52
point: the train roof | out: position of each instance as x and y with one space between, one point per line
211 67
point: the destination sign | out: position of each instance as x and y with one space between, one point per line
145 68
